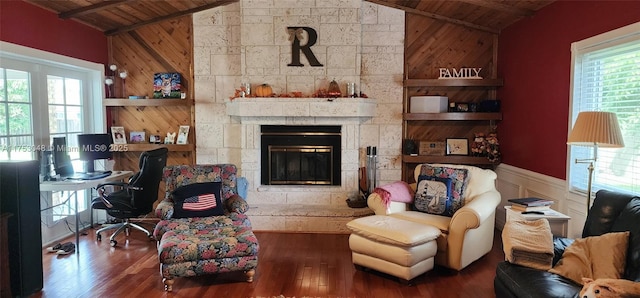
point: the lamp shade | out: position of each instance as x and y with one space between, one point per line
596 128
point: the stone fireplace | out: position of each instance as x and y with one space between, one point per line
248 41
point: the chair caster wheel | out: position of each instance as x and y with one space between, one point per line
113 243
99 237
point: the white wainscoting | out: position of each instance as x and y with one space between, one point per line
515 182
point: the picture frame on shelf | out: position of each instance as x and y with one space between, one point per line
432 148
457 146
155 139
137 137
118 135
167 85
183 134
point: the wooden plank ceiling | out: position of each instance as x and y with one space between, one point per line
117 16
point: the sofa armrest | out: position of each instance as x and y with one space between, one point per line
374 201
471 230
472 214
236 204
164 210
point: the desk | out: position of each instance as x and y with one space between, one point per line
76 185
558 222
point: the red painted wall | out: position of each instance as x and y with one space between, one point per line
534 58
31 26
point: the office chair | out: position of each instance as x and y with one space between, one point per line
135 198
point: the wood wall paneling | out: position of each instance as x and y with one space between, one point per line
155 48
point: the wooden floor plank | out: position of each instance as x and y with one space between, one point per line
290 264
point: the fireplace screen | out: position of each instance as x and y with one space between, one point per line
298 155
300 164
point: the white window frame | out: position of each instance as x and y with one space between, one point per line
602 41
94 113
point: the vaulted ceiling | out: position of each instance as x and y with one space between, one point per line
117 16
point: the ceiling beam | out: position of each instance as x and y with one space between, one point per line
434 16
90 9
168 17
522 12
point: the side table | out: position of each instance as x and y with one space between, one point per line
558 222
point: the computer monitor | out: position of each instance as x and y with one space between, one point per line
93 147
61 161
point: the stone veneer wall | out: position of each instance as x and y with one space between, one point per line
248 42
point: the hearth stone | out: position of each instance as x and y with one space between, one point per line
304 218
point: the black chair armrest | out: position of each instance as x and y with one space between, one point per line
559 245
103 195
121 184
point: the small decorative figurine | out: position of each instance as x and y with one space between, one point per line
479 145
493 147
169 139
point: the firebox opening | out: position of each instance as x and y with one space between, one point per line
300 155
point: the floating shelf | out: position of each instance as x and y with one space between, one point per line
453 82
147 147
118 102
452 116
450 159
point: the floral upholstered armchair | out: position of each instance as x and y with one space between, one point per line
197 235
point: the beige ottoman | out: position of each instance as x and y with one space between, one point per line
394 246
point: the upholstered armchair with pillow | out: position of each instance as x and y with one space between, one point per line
203 228
466 218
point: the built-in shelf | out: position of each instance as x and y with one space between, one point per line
147 146
451 159
452 116
118 102
453 82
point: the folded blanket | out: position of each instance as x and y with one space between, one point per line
397 191
528 243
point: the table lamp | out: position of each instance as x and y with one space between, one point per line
596 129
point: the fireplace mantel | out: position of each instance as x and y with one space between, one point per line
301 107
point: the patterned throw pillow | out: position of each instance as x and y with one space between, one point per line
459 178
197 200
433 195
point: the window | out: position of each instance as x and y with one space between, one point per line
42 96
16 123
606 77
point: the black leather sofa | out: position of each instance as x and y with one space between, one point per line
610 212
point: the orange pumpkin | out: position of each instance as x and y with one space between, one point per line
264 90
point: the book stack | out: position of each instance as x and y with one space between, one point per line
530 204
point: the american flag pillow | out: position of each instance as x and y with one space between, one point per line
197 200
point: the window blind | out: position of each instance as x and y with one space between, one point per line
606 77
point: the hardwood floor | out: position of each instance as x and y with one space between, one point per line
291 265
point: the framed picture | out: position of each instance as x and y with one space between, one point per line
183 133
117 133
137 137
457 147
431 148
155 139
167 85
